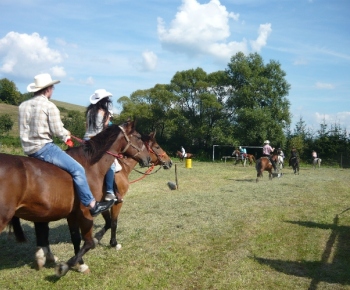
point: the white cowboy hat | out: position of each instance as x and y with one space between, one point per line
266 142
41 81
99 95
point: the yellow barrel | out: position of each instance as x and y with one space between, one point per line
188 163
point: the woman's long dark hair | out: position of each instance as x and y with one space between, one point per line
92 111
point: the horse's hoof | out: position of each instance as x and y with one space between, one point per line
61 269
83 268
40 258
118 247
96 242
51 258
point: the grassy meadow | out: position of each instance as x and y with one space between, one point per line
219 230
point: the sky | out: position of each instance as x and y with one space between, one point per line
123 46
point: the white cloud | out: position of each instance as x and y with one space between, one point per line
62 42
300 61
27 55
149 60
204 29
90 81
322 86
58 71
264 32
341 118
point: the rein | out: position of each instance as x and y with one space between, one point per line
148 172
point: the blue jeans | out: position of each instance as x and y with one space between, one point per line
53 154
110 180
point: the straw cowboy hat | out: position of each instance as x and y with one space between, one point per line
41 81
266 142
99 95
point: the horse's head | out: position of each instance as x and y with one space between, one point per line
274 155
116 140
134 146
158 155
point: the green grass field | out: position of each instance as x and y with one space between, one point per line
219 230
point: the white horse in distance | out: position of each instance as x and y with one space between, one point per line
316 162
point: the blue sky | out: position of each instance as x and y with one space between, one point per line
123 46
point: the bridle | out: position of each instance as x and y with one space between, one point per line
120 155
159 156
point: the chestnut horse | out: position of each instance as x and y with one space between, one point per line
158 157
180 156
41 192
251 159
264 164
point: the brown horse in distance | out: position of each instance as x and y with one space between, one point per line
264 164
41 192
251 159
158 157
180 156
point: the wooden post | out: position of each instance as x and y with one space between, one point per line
176 181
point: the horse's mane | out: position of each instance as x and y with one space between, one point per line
97 146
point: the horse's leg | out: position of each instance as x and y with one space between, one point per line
114 226
43 252
270 173
107 217
85 225
18 230
258 170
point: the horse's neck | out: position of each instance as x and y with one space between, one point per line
128 165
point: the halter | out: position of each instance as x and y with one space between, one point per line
120 155
159 156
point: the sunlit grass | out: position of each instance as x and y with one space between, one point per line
219 230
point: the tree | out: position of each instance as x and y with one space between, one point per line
9 93
258 100
6 124
75 122
200 100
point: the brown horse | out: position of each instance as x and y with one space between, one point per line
32 189
264 164
251 159
294 162
180 156
158 157
240 157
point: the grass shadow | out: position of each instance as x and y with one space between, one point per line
336 271
20 254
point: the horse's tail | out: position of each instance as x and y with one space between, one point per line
258 165
15 225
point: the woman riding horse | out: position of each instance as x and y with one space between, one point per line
267 151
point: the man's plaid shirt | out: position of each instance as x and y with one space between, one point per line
39 120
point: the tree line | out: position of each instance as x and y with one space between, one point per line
245 103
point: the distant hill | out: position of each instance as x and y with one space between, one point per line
13 112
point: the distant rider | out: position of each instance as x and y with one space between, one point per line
267 151
293 154
183 152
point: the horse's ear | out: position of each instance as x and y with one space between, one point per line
152 135
145 138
